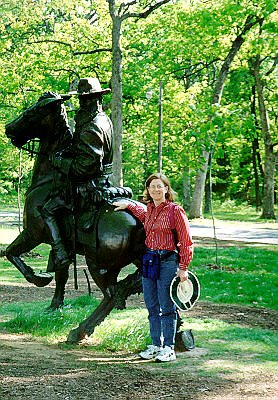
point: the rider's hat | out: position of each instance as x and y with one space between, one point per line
90 86
185 294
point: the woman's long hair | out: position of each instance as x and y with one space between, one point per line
170 192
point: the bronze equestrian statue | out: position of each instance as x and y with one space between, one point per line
109 240
69 204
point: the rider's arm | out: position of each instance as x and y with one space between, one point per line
89 153
87 158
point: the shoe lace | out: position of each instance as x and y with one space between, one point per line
166 350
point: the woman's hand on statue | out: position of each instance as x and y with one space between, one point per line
183 275
120 205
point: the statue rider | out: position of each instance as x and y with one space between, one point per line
87 163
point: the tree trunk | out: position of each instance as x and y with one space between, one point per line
269 163
116 101
196 205
255 151
195 210
186 188
207 206
118 15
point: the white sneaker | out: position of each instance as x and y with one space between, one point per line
166 354
151 352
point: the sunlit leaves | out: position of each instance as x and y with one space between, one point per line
46 44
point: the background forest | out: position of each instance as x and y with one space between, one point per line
202 74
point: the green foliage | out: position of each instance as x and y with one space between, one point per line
183 44
186 59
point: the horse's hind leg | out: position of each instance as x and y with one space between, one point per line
61 278
22 244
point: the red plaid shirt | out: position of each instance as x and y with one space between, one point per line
159 236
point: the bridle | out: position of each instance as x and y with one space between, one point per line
31 147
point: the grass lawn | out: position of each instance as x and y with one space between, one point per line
246 275
229 210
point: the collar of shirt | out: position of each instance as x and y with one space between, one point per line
158 208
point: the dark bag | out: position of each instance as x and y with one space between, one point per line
188 340
184 341
151 265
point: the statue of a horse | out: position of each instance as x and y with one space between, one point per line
110 244
116 240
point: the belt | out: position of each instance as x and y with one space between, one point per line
162 253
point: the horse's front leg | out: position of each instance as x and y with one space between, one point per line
121 291
61 278
22 244
87 327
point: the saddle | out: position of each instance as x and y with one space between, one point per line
94 200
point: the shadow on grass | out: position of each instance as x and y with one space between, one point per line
225 353
127 330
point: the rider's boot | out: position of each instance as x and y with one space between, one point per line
60 254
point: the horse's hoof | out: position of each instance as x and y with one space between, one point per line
75 336
40 279
120 304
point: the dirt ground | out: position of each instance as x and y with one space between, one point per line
32 370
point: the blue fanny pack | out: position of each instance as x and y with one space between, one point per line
151 265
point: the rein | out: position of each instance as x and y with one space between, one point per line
31 147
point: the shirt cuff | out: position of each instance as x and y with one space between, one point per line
183 267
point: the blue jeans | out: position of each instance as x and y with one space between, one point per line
162 311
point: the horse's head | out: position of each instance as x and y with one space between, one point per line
35 120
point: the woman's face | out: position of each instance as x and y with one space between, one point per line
157 191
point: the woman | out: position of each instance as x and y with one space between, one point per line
160 241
